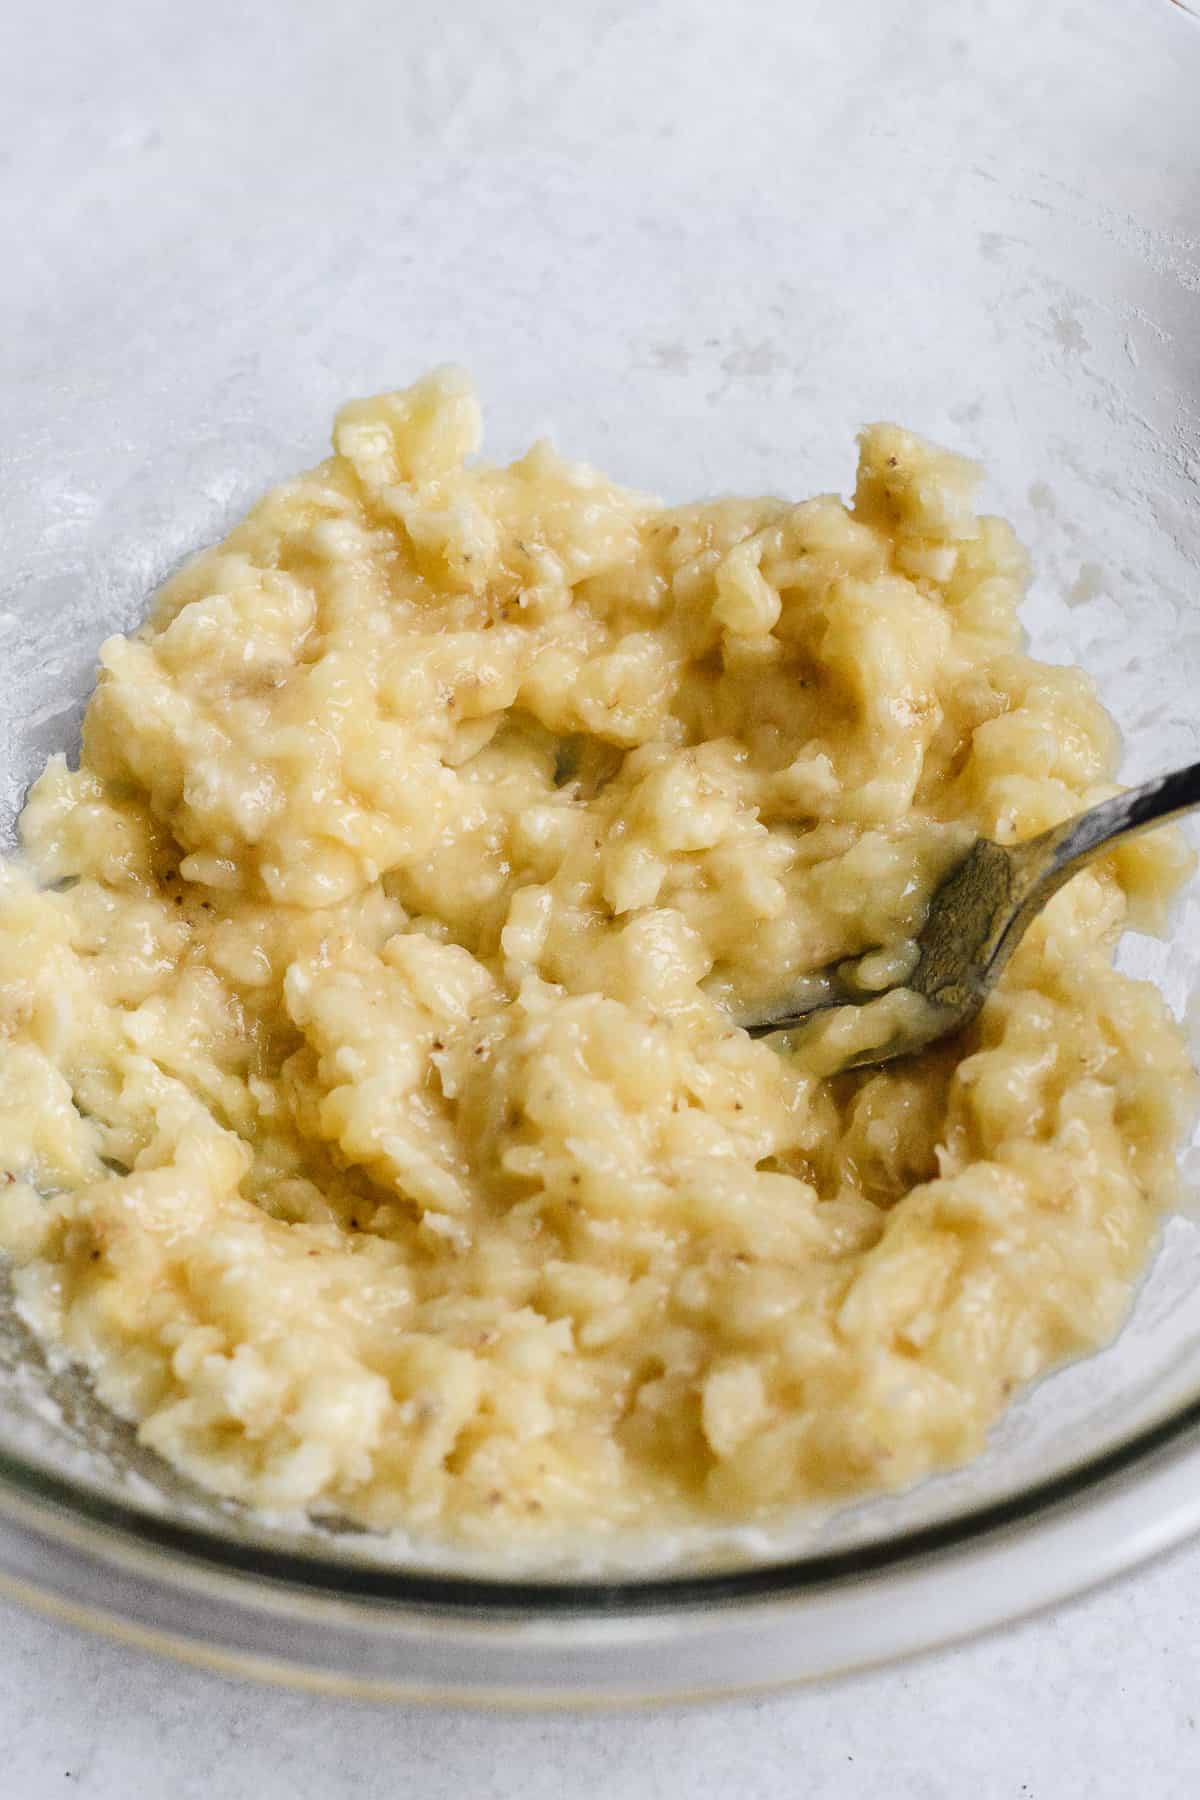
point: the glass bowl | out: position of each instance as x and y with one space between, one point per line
981 224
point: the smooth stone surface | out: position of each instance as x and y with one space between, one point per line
1100 1701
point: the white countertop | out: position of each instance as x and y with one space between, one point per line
630 220
1100 1701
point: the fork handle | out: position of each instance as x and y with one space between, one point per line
1047 862
1067 847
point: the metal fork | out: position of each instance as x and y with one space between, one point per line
980 911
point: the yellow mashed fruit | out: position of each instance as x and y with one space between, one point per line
376 1125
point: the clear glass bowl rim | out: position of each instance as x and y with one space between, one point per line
108 1521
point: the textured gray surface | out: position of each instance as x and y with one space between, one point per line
703 243
1099 1703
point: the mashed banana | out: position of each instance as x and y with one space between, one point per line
375 1124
